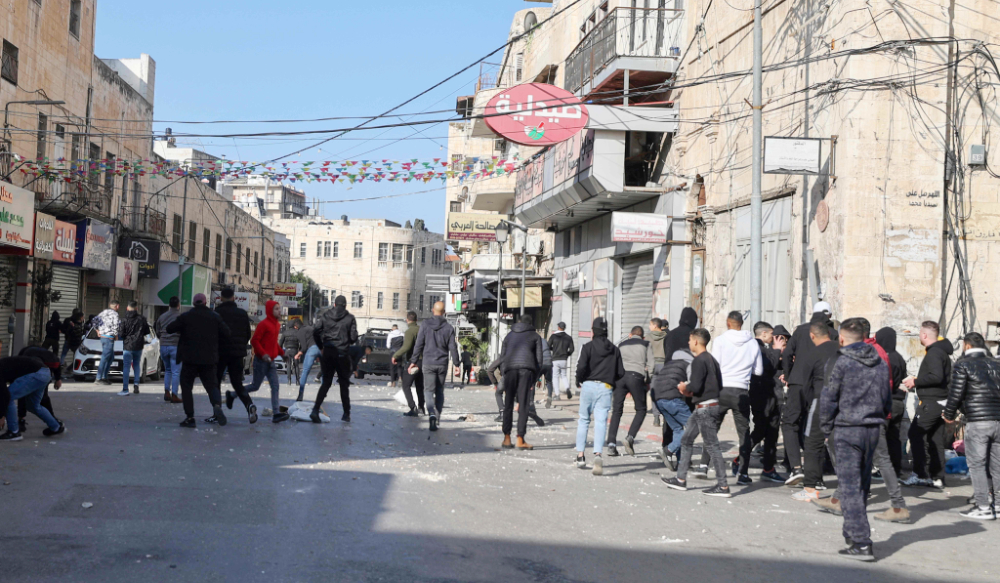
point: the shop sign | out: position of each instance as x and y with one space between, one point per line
532 297
17 209
126 273
65 243
195 280
571 277
288 290
536 114
639 228
146 253
472 227
243 300
45 236
95 245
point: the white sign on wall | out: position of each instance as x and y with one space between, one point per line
639 228
792 155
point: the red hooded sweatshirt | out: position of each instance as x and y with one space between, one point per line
265 337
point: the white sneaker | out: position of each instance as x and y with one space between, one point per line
701 473
804 495
938 484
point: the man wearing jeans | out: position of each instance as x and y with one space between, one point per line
435 340
562 347
27 377
265 349
107 329
671 403
597 372
168 351
704 390
309 353
975 387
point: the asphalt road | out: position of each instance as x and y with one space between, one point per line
382 499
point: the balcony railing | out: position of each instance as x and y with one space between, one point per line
72 198
147 221
624 32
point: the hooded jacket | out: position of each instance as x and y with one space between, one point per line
53 327
975 388
673 372
886 338
202 334
857 390
935 372
161 327
677 339
561 345
738 355
600 360
394 340
265 338
799 347
522 349
435 340
336 327
766 382
289 340
238 322
132 331
657 341
47 357
73 330
306 340
819 362
637 356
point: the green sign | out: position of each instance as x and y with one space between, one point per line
195 280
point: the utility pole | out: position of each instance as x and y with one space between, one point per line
756 227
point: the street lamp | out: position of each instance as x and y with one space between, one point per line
6 108
524 251
502 233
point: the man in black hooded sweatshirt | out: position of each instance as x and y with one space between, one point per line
335 332
677 339
927 432
886 338
522 363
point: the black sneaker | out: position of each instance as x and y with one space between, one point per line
230 398
11 436
674 484
279 417
22 425
701 473
346 417
49 433
665 456
538 420
189 422
820 485
499 418
252 413
743 480
581 462
718 492
569 393
220 418
772 476
411 413
314 416
674 462
877 476
211 420
629 445
135 389
166 395
434 423
613 450
858 552
656 420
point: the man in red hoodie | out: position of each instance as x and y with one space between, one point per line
265 349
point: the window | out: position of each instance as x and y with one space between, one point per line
206 246
409 255
178 234
270 265
239 256
456 206
74 17
218 251
409 301
358 249
578 240
246 265
327 248
43 126
229 255
567 242
281 271
355 299
380 306
437 257
319 248
420 304
109 181
423 256
383 252
397 252
192 240
395 300
336 249
302 249
8 69
256 259
518 67
95 179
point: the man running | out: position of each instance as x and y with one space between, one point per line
202 332
168 351
435 340
265 349
637 358
233 352
335 332
597 372
308 354
401 359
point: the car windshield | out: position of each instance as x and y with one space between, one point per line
93 335
376 342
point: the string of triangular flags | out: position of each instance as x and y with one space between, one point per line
341 171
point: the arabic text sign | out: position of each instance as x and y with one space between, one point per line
639 228
65 242
242 300
17 209
792 155
290 290
536 114
472 227
45 236
146 253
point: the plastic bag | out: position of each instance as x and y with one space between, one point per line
300 411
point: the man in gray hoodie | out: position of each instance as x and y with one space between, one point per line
435 340
637 358
168 351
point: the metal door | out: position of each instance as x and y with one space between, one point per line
637 293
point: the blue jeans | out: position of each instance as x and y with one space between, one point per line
107 357
261 370
307 363
133 358
171 368
595 398
67 348
676 414
32 387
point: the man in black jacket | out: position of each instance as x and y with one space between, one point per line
764 404
597 372
335 332
795 409
288 340
975 388
435 341
886 338
562 347
50 360
233 351
26 377
927 431
703 389
856 400
494 372
72 329
522 363
132 331
817 364
203 334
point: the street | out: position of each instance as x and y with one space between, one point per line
382 499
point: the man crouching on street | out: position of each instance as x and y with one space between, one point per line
857 401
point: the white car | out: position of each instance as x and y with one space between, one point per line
88 358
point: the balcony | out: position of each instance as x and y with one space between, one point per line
72 200
494 194
645 42
147 222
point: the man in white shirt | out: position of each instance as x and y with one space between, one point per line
739 357
107 323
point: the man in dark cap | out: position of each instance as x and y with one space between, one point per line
202 332
764 403
335 332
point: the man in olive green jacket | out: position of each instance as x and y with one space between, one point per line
402 357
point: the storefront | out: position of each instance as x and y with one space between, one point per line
95 251
65 276
17 229
637 293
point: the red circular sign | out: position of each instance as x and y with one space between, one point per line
536 114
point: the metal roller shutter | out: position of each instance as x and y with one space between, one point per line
637 293
96 301
7 311
574 330
66 281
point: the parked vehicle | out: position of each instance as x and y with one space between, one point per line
379 362
88 358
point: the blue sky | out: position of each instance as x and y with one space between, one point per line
253 60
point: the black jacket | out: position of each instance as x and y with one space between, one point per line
238 322
73 331
818 363
289 340
15 367
435 340
522 349
677 339
672 373
600 361
47 357
975 388
886 338
306 339
561 345
765 383
203 335
935 372
857 390
798 349
336 327
53 327
133 330
706 379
